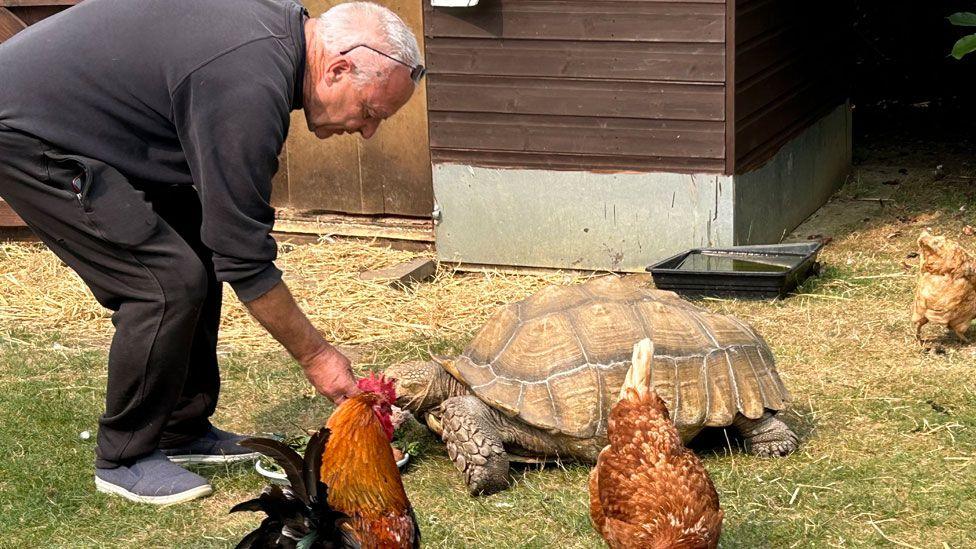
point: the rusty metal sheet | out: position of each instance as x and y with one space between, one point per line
396 161
323 175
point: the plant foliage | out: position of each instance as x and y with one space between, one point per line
966 44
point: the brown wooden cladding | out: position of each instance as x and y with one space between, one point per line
571 84
621 21
569 59
10 24
609 98
586 162
576 135
788 72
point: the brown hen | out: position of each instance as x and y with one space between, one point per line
648 491
946 293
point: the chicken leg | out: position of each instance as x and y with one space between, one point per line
960 327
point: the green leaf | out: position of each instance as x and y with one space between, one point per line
963 19
966 44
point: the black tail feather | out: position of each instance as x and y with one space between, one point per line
294 513
286 458
314 451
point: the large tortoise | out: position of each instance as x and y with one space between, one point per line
539 379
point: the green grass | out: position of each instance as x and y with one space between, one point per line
888 454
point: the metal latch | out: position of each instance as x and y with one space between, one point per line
437 214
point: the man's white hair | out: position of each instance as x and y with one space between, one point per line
353 23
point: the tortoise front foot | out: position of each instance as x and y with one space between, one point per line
474 444
766 436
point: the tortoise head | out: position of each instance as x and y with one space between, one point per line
421 385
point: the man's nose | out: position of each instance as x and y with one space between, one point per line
369 129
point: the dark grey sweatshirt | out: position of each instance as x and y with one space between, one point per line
171 92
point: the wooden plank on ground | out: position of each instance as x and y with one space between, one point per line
404 274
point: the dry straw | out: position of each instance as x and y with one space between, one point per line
40 295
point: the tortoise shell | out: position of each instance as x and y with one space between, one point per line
557 359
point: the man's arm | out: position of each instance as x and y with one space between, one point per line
232 118
324 365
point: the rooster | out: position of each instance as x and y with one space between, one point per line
346 492
946 292
647 491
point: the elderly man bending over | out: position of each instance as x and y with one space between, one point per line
138 140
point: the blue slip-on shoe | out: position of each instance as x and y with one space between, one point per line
152 479
215 446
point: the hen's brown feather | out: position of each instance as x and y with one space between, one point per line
946 291
647 490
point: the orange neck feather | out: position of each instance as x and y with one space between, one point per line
358 465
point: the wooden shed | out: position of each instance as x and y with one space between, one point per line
598 135
609 134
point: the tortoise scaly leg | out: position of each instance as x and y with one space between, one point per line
766 436
474 444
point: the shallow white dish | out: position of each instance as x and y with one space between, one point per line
281 478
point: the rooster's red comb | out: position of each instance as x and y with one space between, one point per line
380 384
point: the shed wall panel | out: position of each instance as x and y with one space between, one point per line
621 21
702 62
789 72
626 85
554 96
585 162
576 135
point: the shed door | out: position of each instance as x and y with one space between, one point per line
386 175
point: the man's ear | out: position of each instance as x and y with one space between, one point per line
338 69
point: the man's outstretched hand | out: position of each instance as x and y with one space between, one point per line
330 372
324 365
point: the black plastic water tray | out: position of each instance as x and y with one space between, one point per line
755 272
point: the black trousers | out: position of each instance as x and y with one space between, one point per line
136 244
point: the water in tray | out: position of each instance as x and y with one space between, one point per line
700 262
